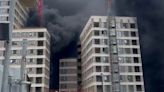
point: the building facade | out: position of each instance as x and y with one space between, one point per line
110 54
37 59
68 75
20 10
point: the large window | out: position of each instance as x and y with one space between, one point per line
97 50
137 69
139 87
136 60
99 88
38 79
98 68
125 25
39 61
99 78
98 59
40 52
135 51
96 32
40 43
38 89
97 41
39 70
132 25
96 24
40 34
138 78
133 34
134 42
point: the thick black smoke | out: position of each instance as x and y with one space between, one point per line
65 19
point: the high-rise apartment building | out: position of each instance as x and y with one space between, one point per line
68 75
37 59
20 11
111 57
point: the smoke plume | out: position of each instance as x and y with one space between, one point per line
64 19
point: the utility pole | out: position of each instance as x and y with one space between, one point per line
23 65
5 80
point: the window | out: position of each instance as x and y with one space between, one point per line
38 79
96 24
96 33
122 78
136 60
130 78
106 68
130 69
138 78
134 42
126 34
97 50
13 61
127 50
125 25
98 68
40 34
131 88
126 42
39 70
38 89
40 43
40 52
123 88
133 34
30 70
98 78
97 41
105 50
137 69
104 32
31 51
127 60
135 51
105 59
98 59
39 61
99 88
106 78
132 25
139 87
105 24
14 51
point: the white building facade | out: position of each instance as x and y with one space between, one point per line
37 59
111 57
68 75
20 11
